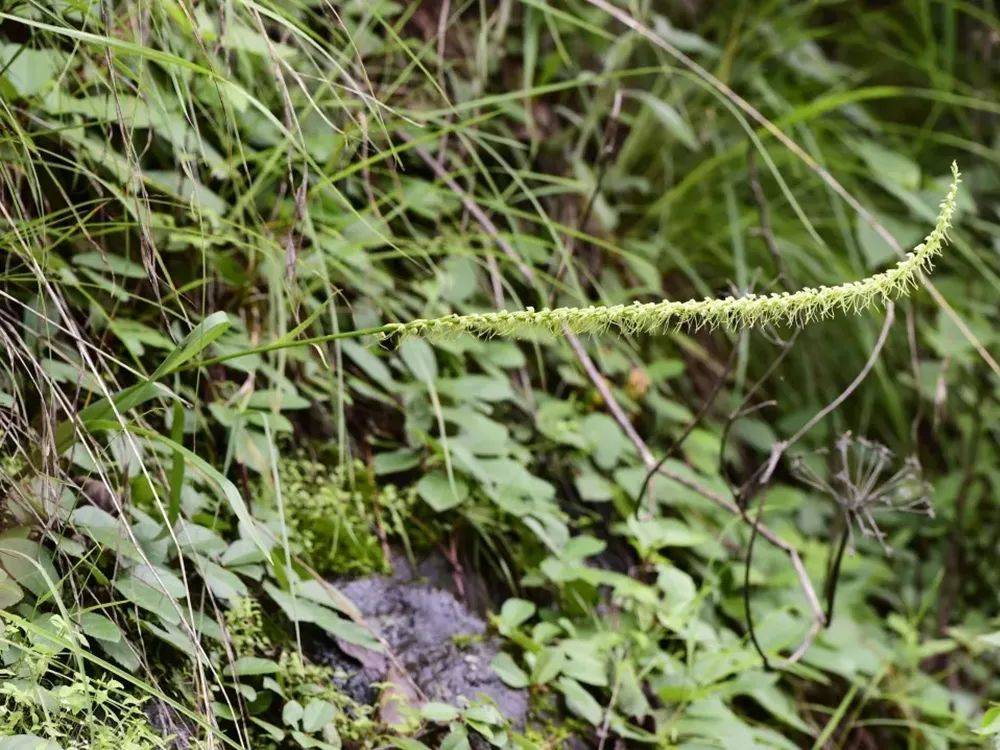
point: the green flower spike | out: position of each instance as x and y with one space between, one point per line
735 313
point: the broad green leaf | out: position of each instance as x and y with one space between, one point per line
435 490
10 592
28 71
418 356
323 593
631 696
123 653
98 626
188 189
199 540
477 433
585 663
71 374
778 704
308 742
224 583
291 713
105 529
114 264
476 388
407 743
876 250
275 733
508 671
247 666
137 336
162 579
548 664
887 165
391 462
457 739
317 714
579 701
440 713
515 612
605 439
27 742
276 400
593 487
483 713
370 364
684 40
990 639
299 609
151 598
990 723
28 563
653 534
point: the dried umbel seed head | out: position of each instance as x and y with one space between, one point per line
865 481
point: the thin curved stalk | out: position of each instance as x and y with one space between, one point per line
737 313
747 614
833 573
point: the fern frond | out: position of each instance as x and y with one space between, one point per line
752 310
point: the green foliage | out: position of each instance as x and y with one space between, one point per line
733 313
333 515
74 711
245 627
302 698
208 213
309 689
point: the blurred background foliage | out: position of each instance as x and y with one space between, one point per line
184 181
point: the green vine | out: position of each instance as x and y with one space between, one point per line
749 311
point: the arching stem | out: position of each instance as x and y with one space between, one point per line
747 613
833 572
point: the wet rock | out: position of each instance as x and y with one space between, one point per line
442 646
165 720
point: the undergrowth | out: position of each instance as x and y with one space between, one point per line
71 711
335 515
242 245
319 714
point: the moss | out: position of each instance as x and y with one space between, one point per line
548 728
245 626
333 515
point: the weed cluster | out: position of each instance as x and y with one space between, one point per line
69 710
335 515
